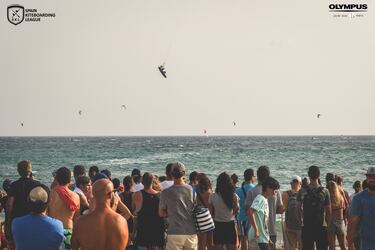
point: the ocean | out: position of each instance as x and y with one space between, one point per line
347 156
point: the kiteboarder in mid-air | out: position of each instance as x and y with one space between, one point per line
162 70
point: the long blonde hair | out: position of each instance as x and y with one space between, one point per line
336 197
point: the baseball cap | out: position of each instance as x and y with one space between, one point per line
296 178
371 171
136 171
38 194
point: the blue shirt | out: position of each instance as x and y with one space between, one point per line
363 205
241 194
31 232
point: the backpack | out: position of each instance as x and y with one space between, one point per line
292 213
313 207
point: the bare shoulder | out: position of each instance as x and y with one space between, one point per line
75 195
82 219
53 193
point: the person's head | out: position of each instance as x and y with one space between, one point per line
116 183
102 191
335 195
84 183
93 170
357 186
234 178
371 178
63 176
38 199
107 173
6 185
193 178
147 180
136 175
128 183
305 182
225 188
168 170
178 170
296 183
204 183
248 175
330 177
269 186
24 168
364 184
78 171
156 183
99 176
339 180
262 173
314 173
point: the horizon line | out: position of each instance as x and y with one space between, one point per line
213 135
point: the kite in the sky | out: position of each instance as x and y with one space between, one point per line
162 70
234 123
318 115
204 131
80 112
21 124
123 107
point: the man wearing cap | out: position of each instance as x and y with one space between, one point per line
17 204
176 204
293 223
362 211
37 230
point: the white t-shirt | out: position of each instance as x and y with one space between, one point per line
138 187
166 184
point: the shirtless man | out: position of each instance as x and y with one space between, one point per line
64 204
103 228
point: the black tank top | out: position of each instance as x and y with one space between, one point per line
150 230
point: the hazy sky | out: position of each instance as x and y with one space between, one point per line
271 66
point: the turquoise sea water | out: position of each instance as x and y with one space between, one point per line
286 156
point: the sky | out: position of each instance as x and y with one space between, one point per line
271 66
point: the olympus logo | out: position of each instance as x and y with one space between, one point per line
348 7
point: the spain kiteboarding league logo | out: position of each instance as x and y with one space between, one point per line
16 14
